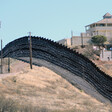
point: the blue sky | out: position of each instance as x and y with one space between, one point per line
53 19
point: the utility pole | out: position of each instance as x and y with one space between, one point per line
30 48
8 64
1 53
82 41
1 59
71 37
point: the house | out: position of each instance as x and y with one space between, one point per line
102 27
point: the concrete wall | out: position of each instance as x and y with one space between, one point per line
66 42
106 55
105 31
75 41
78 40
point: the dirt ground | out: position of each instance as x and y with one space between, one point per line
105 66
44 88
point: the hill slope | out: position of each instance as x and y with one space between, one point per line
43 88
66 59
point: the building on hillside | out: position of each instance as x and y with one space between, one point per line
106 55
102 27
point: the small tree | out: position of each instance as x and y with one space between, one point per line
99 40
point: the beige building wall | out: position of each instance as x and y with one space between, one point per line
66 42
75 41
100 31
86 40
78 41
106 55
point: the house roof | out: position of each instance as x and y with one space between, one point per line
107 15
107 18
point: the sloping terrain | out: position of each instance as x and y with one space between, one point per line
65 58
105 66
43 88
88 51
74 67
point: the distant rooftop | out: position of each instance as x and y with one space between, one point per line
107 18
107 15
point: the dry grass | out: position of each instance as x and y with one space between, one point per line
105 66
46 90
9 105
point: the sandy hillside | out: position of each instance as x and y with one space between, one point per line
44 88
105 66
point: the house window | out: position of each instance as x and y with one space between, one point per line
109 24
102 25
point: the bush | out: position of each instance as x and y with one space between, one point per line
99 40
